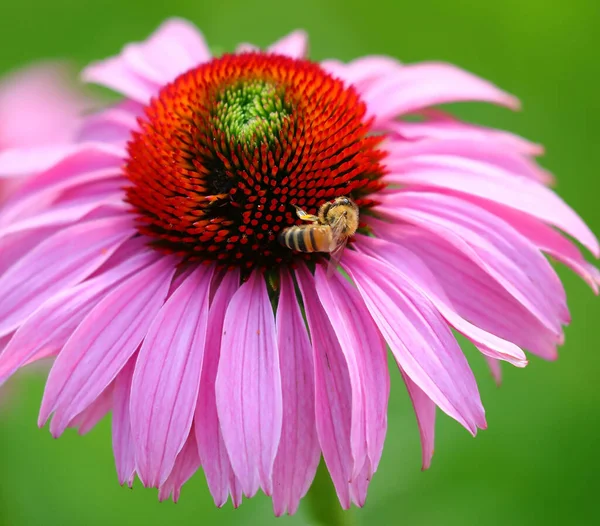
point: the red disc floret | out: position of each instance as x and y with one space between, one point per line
224 152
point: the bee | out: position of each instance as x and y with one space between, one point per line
328 231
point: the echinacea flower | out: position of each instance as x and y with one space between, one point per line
43 94
144 256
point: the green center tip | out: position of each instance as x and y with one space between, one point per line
251 111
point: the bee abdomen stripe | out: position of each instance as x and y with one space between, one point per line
313 243
300 241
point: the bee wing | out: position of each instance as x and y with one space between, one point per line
338 244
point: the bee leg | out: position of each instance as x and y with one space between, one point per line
304 216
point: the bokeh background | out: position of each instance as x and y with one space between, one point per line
538 462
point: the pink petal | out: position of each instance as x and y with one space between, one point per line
364 349
186 464
167 377
299 452
103 342
90 416
509 258
417 86
546 239
449 128
138 72
364 71
476 297
425 413
122 439
360 485
15 246
248 386
211 447
40 94
419 338
174 48
406 156
113 125
60 262
414 270
50 326
493 183
495 369
333 398
294 45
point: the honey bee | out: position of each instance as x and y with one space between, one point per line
328 231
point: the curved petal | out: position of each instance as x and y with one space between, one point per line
425 412
357 333
50 326
406 156
418 86
294 45
141 69
58 263
494 183
122 440
248 386
211 447
546 239
186 464
333 398
96 411
167 378
419 338
102 344
476 297
414 270
507 256
299 452
363 71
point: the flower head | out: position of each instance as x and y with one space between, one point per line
147 258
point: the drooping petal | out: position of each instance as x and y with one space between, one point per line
507 256
357 333
417 86
495 369
546 239
186 464
122 439
350 344
56 264
404 261
90 416
419 338
494 183
167 377
248 386
299 452
50 326
103 342
294 45
211 447
476 297
333 398
425 412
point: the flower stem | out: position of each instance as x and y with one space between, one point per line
322 502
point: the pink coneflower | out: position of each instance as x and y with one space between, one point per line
148 260
42 94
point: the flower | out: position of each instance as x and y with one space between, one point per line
145 257
44 94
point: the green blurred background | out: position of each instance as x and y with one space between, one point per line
538 462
